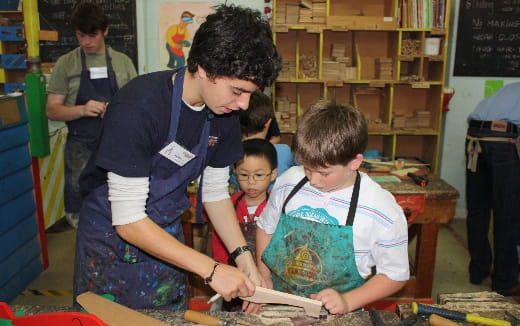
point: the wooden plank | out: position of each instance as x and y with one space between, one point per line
48 35
113 313
263 295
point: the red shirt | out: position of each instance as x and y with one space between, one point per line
220 252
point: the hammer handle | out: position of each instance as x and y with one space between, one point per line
200 318
436 320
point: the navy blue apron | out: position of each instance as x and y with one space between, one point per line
83 132
105 263
87 129
306 257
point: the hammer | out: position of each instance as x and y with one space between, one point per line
421 309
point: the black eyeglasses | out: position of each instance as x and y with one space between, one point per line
255 176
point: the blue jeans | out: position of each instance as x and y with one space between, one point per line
494 187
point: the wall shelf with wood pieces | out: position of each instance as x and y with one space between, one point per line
386 57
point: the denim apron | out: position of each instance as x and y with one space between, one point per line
105 263
83 132
306 257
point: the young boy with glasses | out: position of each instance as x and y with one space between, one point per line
254 172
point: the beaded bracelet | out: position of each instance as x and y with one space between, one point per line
208 279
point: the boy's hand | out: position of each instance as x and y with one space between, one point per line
333 301
266 274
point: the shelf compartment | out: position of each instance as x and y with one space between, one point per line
293 99
341 93
371 45
338 52
286 47
292 13
374 103
411 44
419 106
308 51
410 69
433 69
383 8
382 143
422 147
367 14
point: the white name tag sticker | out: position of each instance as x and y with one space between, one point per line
98 72
177 154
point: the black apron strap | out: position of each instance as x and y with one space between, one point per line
354 200
294 191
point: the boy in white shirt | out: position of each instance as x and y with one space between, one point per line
326 225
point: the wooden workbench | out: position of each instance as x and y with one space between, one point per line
439 199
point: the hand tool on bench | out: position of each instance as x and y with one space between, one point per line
421 180
421 309
263 295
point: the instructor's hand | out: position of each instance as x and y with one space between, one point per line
230 283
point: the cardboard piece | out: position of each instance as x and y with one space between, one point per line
263 295
113 313
48 35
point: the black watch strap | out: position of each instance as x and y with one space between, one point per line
238 251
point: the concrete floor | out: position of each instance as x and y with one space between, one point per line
54 286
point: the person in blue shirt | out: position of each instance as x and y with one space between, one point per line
493 189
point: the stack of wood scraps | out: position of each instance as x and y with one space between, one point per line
399 167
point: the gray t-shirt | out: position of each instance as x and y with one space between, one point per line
66 73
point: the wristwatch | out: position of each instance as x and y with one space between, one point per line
238 251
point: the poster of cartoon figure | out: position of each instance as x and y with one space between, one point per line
178 22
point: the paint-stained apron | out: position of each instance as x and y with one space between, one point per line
83 132
105 263
306 257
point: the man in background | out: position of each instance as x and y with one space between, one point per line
81 85
493 185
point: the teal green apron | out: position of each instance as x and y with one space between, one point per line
306 257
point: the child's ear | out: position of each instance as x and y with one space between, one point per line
356 162
274 174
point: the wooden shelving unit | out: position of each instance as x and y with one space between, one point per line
359 54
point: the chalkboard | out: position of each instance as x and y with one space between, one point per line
55 15
488 38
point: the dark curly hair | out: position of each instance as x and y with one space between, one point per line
88 18
235 42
